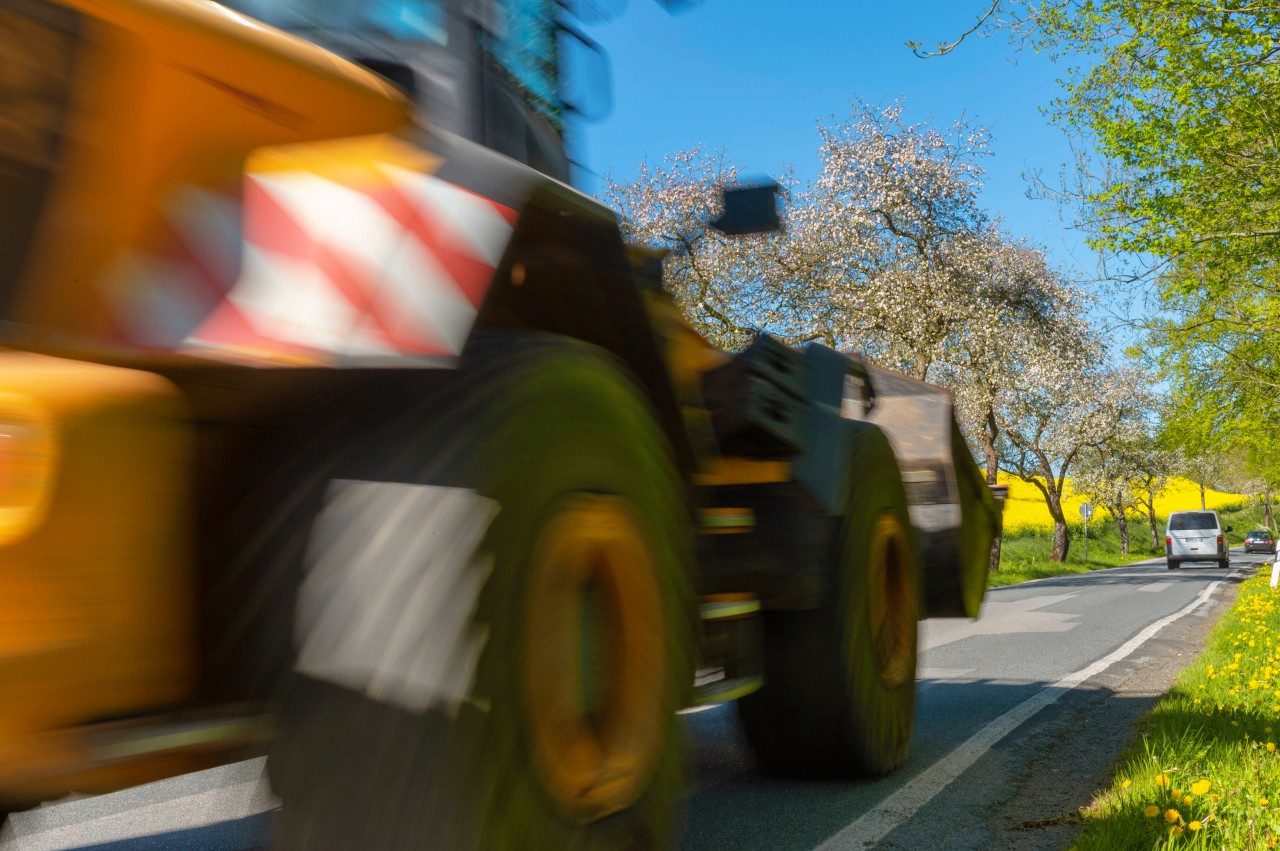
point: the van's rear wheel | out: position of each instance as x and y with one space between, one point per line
497 660
839 693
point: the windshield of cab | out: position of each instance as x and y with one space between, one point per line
1190 521
404 20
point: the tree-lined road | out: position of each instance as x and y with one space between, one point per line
1021 715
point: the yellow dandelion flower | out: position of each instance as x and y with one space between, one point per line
1194 826
1126 784
1161 780
1186 799
1176 794
1152 811
1263 801
1271 746
1172 815
1175 831
1200 787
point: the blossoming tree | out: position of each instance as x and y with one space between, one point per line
1048 428
886 252
1122 477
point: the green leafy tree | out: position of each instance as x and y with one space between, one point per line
1179 101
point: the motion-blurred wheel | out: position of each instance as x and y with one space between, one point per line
495 628
840 682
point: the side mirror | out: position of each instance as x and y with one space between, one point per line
584 83
749 209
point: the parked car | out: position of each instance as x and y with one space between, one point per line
1259 541
1195 536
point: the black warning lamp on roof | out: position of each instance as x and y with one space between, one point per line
750 209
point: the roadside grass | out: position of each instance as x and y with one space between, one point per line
1024 553
1205 772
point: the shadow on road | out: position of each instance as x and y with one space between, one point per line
1144 575
998 802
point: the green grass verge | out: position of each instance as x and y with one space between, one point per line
1205 772
1025 556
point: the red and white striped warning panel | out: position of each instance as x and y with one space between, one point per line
326 273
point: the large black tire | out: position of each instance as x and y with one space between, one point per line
534 438
1224 563
1172 564
839 693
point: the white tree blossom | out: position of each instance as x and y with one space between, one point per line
1124 477
729 288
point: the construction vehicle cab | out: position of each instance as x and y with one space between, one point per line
482 70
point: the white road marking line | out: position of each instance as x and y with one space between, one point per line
900 806
145 810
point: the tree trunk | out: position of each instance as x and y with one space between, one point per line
1116 509
1201 495
1151 518
994 564
1266 509
1061 543
922 366
990 432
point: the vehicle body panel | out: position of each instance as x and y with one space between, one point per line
1195 536
95 583
1259 541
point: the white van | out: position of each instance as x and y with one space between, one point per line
1195 536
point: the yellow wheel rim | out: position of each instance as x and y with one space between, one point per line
894 602
594 658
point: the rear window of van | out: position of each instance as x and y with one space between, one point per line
1192 521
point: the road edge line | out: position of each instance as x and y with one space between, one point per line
901 805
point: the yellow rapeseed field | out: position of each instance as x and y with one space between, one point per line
1026 511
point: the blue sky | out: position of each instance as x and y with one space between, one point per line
755 77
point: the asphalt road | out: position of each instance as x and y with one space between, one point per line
1021 715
